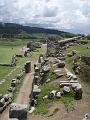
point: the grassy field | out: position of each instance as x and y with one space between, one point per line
7 49
82 49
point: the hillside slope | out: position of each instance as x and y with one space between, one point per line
11 29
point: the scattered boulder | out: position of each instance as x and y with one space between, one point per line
66 89
8 98
86 116
58 94
19 55
13 119
18 111
64 84
57 71
45 97
36 90
36 80
74 52
58 75
61 65
31 109
48 80
78 92
69 54
62 58
12 89
33 102
5 101
36 69
71 76
13 83
2 102
20 76
46 69
41 60
52 94
27 67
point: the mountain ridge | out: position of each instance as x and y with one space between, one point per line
13 29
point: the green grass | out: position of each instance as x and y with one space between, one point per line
7 49
82 49
6 53
69 63
3 71
68 100
6 84
49 75
43 105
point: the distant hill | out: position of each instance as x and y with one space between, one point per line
11 29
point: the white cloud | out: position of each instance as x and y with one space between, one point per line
73 15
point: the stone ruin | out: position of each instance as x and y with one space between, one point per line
33 45
66 86
13 62
27 67
7 99
18 111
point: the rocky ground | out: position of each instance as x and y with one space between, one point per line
76 111
57 111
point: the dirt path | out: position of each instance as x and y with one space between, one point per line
62 114
5 114
23 97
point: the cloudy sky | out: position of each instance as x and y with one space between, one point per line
69 15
